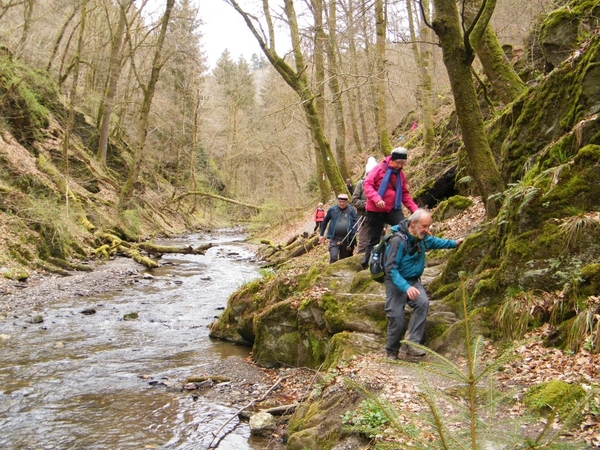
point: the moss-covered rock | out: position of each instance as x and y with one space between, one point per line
290 320
317 425
562 105
345 345
18 274
562 29
554 395
590 279
451 207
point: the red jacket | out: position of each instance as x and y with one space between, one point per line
372 183
319 215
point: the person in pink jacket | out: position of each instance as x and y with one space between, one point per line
386 191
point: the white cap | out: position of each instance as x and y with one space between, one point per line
371 162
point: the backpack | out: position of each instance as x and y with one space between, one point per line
377 258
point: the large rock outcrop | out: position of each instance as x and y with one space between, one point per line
315 319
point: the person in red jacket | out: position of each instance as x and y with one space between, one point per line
386 191
318 216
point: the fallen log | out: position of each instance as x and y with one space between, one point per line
274 411
283 409
135 254
159 249
304 246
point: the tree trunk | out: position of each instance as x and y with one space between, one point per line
336 92
385 144
218 197
504 79
425 94
354 98
506 82
319 64
114 70
28 6
458 59
371 100
146 104
61 34
73 99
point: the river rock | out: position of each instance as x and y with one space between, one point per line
262 424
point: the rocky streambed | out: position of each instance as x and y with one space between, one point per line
112 358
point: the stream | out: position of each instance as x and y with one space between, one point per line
78 381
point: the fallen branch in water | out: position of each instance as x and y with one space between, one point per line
214 444
132 250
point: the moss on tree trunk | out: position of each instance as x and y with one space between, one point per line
457 59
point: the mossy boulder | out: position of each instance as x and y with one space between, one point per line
451 207
554 395
558 111
561 31
290 319
345 345
590 279
474 253
287 336
317 425
18 274
236 324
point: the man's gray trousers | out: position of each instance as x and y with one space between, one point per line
395 302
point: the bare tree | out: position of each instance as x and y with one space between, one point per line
114 70
336 91
355 97
385 144
148 90
296 79
61 33
73 92
28 7
319 76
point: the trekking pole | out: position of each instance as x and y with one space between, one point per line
358 222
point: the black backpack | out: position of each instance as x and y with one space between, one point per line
377 258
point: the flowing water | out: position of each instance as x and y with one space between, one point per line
74 382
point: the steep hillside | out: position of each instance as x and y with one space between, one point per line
58 204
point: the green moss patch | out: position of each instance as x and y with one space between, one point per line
555 395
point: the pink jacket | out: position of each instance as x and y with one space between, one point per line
372 183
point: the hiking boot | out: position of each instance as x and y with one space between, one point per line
391 355
412 351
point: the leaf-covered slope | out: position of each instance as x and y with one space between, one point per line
56 199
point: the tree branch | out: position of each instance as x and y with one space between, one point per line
218 197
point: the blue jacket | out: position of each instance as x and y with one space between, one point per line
405 256
333 215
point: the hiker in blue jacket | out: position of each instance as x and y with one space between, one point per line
341 219
404 265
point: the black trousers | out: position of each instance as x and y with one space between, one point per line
377 221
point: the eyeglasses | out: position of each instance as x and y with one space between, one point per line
342 199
